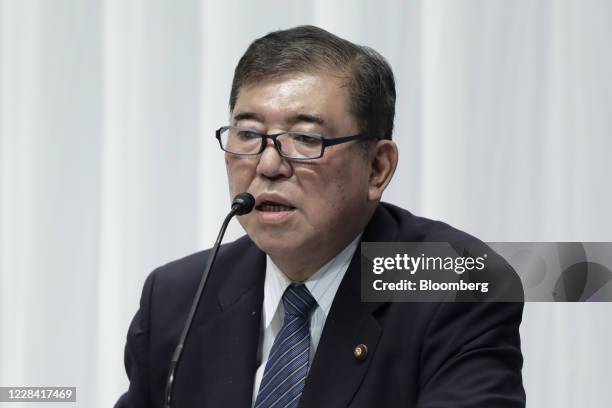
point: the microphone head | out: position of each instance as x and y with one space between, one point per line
243 203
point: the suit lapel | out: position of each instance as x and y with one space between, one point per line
219 368
350 323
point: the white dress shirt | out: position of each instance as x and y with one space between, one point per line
323 286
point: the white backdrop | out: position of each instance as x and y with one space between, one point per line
109 167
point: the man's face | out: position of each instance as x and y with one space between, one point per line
308 207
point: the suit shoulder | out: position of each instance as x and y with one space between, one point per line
189 268
414 228
502 277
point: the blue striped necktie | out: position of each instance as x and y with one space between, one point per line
285 374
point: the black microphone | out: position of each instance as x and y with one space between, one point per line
242 204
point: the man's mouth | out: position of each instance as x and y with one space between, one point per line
270 206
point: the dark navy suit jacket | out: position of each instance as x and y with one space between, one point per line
423 355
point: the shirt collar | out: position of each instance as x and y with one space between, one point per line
322 285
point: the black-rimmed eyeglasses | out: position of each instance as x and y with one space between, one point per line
291 145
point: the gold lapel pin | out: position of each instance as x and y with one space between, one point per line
360 352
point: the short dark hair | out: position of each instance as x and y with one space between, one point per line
307 49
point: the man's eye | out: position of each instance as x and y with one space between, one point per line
247 135
305 139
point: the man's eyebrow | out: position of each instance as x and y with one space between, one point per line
298 118
248 116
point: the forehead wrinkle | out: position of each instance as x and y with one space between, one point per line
281 98
307 118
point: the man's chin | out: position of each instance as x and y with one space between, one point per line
277 246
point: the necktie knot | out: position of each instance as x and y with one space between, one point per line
298 301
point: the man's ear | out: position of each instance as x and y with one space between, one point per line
383 158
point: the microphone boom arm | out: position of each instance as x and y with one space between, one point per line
242 204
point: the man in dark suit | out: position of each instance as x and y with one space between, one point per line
281 322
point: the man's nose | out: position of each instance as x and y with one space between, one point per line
272 164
